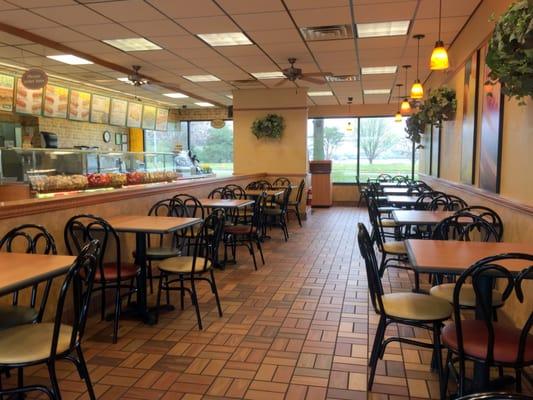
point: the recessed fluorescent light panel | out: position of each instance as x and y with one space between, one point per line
175 95
225 39
70 59
378 29
376 91
132 44
320 93
204 104
201 78
268 75
390 69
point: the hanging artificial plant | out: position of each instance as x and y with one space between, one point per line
439 106
510 53
270 126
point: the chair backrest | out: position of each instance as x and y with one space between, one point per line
168 208
285 201
455 203
257 214
425 198
384 178
259 185
481 275
300 191
34 239
84 228
192 204
400 179
375 288
79 281
495 396
235 192
206 239
281 182
465 226
217 193
488 215
375 221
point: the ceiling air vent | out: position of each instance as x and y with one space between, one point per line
342 78
327 32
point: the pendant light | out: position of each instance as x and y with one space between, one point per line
405 108
398 116
439 57
417 91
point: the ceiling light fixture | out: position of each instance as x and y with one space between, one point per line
379 29
176 95
225 39
320 93
132 44
201 78
70 59
417 91
376 91
268 75
398 116
204 104
439 56
405 108
389 69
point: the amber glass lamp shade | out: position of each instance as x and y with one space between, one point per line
439 57
417 91
398 117
405 107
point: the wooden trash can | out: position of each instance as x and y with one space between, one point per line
321 183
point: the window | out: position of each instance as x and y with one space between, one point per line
212 146
382 147
166 141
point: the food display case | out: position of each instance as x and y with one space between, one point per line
66 170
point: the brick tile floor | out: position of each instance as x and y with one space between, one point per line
298 328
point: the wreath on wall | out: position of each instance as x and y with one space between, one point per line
271 126
510 52
440 105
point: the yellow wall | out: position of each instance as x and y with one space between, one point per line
285 156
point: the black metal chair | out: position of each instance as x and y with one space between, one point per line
281 182
235 192
384 178
259 185
407 308
294 205
217 193
27 238
447 202
48 342
484 340
495 396
194 209
277 216
114 274
488 215
196 266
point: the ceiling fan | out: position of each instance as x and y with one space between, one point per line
292 74
136 78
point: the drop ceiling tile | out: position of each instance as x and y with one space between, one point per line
322 16
376 99
149 29
426 26
7 38
41 3
155 55
186 43
127 11
275 36
37 49
383 42
71 15
231 51
105 31
6 6
325 46
25 19
264 21
393 11
248 7
450 8
59 34
187 8
306 4
215 24
93 47
201 52
13 52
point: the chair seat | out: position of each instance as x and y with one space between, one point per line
127 271
11 316
31 343
475 339
183 265
467 298
416 306
240 229
395 248
160 253
388 223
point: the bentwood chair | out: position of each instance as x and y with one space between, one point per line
28 238
48 342
247 234
294 205
112 272
488 215
259 185
384 178
194 209
277 216
406 308
495 396
483 340
194 267
281 182
217 193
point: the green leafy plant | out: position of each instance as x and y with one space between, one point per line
510 52
415 126
271 126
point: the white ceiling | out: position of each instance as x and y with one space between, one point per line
273 26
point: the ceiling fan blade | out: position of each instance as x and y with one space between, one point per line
318 74
313 80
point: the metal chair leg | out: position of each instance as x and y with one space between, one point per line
85 372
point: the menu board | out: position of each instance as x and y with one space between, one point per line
100 109
55 101
149 117
119 111
161 119
79 105
7 84
134 115
28 101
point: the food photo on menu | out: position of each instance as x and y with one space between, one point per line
55 101
80 105
28 101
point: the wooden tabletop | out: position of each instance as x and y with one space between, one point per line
406 200
271 192
20 270
226 203
420 217
395 190
449 256
150 224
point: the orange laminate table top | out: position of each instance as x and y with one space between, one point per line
402 199
272 192
20 270
150 224
449 256
226 203
420 217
